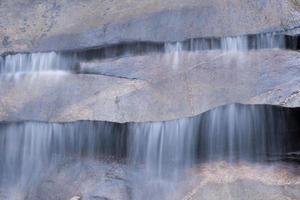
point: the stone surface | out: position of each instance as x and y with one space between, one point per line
153 87
246 190
89 179
221 180
218 180
57 25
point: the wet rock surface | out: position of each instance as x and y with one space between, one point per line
77 179
160 86
160 81
95 180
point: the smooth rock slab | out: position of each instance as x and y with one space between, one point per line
153 87
59 25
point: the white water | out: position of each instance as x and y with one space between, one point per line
36 62
236 44
173 51
41 62
157 153
244 43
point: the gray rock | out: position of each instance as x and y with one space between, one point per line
246 190
152 87
48 25
86 178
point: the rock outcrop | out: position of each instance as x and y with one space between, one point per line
101 62
153 87
62 25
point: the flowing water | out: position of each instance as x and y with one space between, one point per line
154 156
70 61
156 153
36 62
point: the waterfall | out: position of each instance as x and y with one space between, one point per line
235 44
163 146
28 150
154 157
157 150
260 41
36 62
70 61
173 51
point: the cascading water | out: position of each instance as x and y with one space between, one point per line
37 62
156 153
261 41
70 61
155 156
234 43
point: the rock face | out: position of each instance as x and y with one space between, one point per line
123 61
220 180
60 25
102 181
153 87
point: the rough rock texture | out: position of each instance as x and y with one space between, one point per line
153 87
87 179
219 180
246 190
57 25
